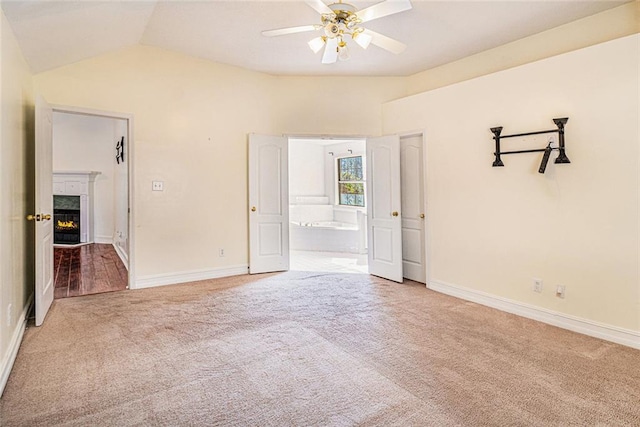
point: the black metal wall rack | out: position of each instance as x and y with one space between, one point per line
562 155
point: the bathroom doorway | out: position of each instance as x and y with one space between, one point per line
327 206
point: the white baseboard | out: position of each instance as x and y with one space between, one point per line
14 345
122 255
108 240
189 276
573 323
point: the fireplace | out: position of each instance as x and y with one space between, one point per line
66 220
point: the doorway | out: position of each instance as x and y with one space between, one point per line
389 161
91 179
327 206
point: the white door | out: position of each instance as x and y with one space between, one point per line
383 207
412 183
268 204
44 209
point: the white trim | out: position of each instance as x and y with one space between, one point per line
122 255
89 112
14 345
190 276
573 323
76 245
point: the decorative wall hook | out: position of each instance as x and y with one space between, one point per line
562 155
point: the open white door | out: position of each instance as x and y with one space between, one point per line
413 217
44 209
268 204
384 225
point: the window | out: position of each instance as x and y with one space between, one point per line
350 181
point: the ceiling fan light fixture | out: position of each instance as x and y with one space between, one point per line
341 19
363 40
343 51
317 44
332 29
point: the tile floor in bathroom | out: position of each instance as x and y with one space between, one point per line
332 262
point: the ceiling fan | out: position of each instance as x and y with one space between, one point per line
339 20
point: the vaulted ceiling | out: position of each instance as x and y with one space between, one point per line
57 33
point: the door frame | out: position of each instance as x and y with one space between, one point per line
326 137
426 204
425 180
129 150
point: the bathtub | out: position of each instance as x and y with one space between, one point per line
327 236
326 224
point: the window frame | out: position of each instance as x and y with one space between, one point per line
338 181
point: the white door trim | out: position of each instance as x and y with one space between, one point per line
129 152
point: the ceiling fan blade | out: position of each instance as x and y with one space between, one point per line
330 52
319 6
290 30
385 8
385 42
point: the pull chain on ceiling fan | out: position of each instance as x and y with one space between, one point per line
339 20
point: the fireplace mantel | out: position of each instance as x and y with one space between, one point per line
78 183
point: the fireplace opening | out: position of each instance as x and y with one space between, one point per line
66 220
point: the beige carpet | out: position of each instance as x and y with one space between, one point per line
310 349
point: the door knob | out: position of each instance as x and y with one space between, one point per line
422 216
253 208
46 217
33 217
394 213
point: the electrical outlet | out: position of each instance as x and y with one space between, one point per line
560 291
157 185
221 252
9 314
537 285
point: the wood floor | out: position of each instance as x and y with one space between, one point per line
88 269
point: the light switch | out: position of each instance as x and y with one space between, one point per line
157 185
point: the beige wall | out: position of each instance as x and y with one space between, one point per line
609 25
16 190
191 120
494 229
343 106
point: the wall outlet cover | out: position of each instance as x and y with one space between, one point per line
537 285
